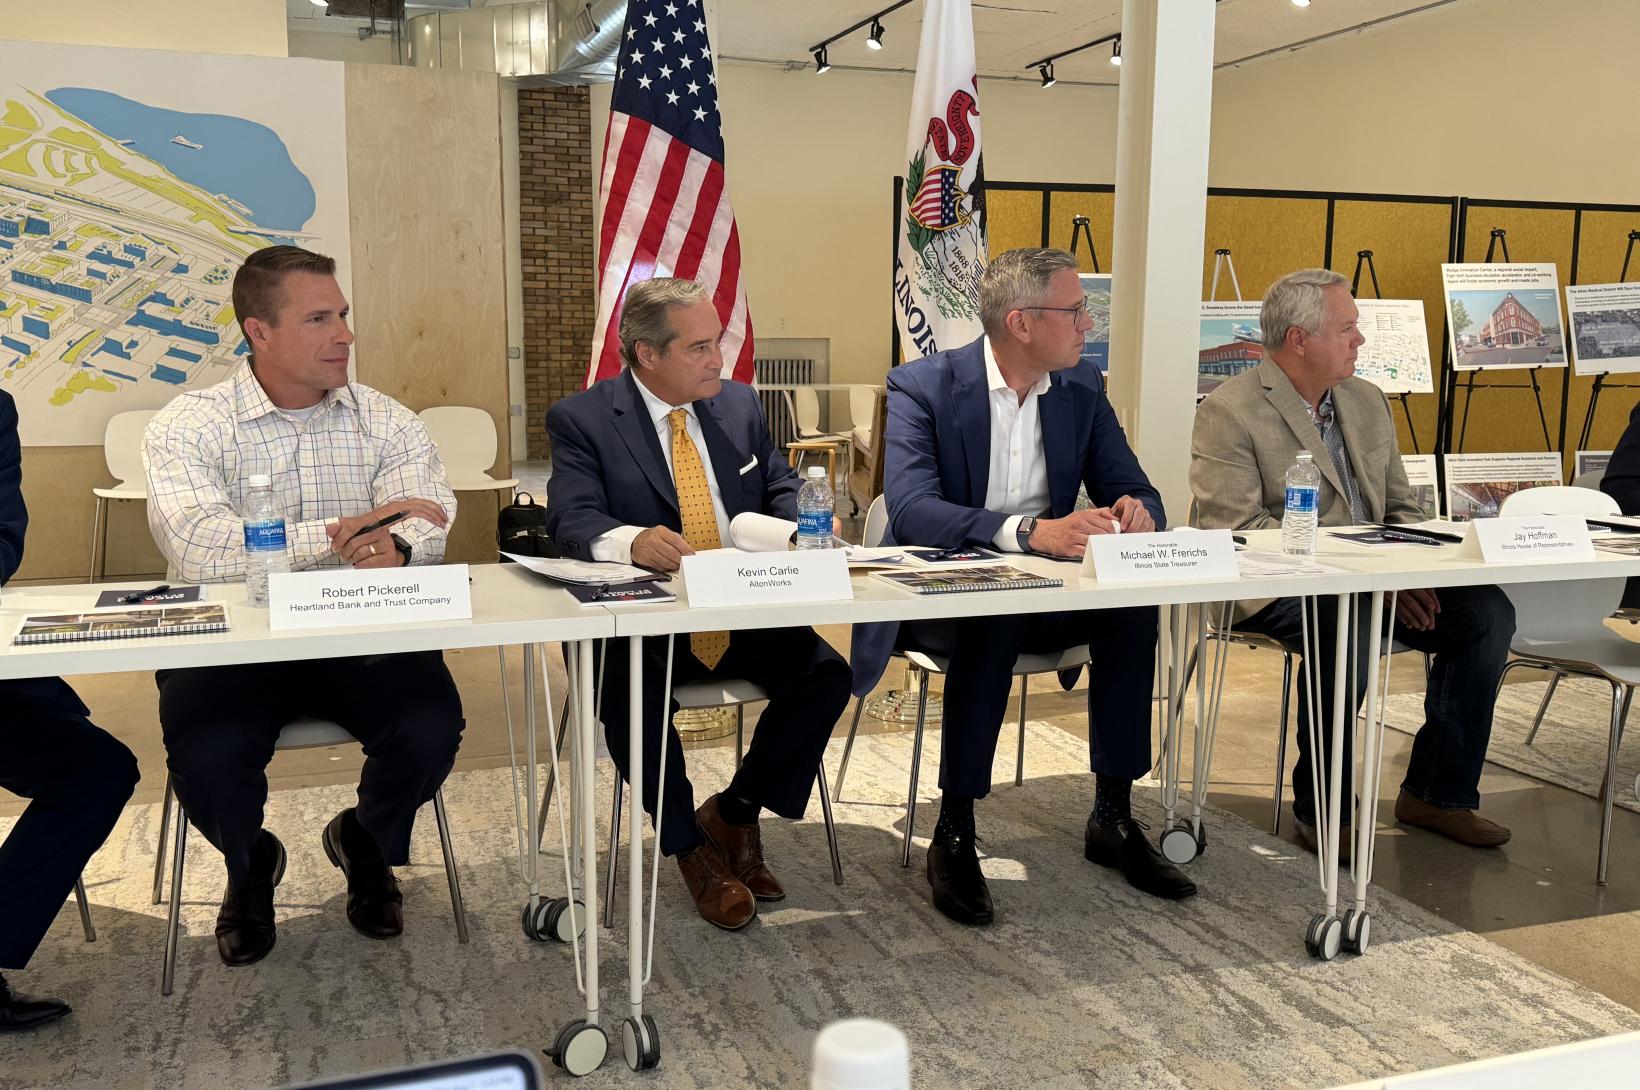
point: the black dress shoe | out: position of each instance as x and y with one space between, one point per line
375 907
1125 847
959 888
244 926
19 1012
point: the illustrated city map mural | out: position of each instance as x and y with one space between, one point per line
132 184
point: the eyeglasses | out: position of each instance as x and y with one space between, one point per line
1079 309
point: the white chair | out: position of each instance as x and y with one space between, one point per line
122 450
804 403
1590 480
713 693
1560 626
298 734
466 442
923 664
862 403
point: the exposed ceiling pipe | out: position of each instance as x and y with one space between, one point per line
590 41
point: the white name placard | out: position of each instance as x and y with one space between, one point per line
344 597
727 577
1509 540
1171 554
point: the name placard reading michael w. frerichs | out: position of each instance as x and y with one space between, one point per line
347 597
1173 554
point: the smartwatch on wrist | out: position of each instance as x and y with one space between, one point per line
1022 533
403 547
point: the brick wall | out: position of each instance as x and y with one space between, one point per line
555 211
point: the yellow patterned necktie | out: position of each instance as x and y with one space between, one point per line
700 528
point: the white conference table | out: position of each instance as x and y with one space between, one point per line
510 607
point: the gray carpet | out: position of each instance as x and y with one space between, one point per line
1081 983
1570 748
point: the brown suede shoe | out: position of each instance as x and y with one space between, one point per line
1464 826
741 849
720 899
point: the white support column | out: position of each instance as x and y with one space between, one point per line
1164 112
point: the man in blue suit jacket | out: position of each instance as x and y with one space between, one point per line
987 445
76 776
647 468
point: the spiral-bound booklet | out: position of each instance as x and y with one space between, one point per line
961 580
123 624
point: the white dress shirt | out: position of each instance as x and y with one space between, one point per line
616 545
1018 481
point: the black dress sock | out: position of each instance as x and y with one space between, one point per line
737 811
1112 800
956 818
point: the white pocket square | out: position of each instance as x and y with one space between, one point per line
748 467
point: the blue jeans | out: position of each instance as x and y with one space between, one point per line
1470 642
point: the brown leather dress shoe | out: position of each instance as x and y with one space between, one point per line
721 900
1464 826
741 849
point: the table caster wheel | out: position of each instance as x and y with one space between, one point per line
553 919
1179 845
1324 936
641 1042
1357 931
580 1048
1636 778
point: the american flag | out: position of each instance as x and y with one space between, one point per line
936 204
663 208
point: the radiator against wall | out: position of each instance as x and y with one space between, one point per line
776 406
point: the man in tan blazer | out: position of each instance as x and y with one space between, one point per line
1249 431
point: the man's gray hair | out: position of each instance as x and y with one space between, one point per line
1296 300
1016 280
644 316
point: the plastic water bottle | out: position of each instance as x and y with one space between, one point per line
266 550
860 1054
1298 519
814 508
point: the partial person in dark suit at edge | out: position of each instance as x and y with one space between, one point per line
1622 483
648 467
76 776
986 445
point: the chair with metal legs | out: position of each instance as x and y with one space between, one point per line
717 693
85 909
297 734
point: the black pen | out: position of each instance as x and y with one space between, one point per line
141 594
379 523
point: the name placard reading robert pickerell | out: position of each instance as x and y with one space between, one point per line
347 597
1173 554
727 577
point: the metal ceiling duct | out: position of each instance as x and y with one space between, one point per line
537 43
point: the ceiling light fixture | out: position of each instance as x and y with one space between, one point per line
821 65
1116 52
1301 3
1045 64
1047 76
875 41
320 3
874 37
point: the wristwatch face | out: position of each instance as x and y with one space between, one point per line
403 547
1026 525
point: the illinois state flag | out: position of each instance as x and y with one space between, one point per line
942 229
663 208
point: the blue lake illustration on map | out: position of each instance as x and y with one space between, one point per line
240 159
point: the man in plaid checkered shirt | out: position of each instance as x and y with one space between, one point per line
341 456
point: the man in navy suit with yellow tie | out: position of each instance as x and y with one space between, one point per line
986 445
75 775
647 468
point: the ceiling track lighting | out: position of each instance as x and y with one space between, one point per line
320 3
1045 65
874 37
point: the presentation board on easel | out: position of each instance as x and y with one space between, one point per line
1503 316
1605 328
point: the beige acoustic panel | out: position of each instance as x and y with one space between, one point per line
1013 218
1064 206
1409 241
429 270
1603 239
1268 237
1507 420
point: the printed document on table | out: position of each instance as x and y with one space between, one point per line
1263 565
581 571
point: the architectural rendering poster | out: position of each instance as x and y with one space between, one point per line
1502 316
1420 470
1477 484
1230 343
132 185
1605 320
1096 346
1395 357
